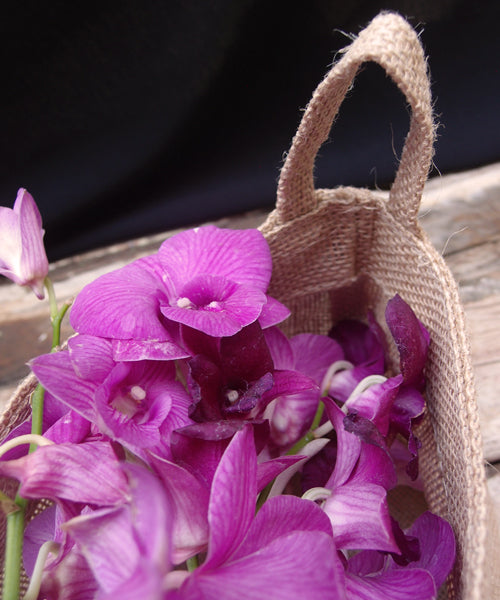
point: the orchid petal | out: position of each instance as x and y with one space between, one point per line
437 546
146 583
360 517
242 256
232 498
376 403
71 428
55 372
348 447
151 514
106 538
367 562
91 357
291 416
375 466
280 516
23 258
200 447
71 579
343 382
131 409
280 348
215 305
189 501
273 312
123 304
301 565
411 337
268 470
409 404
39 530
405 584
136 350
315 353
362 344
88 473
245 355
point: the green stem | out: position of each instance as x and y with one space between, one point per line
192 563
52 297
37 413
13 551
263 496
309 436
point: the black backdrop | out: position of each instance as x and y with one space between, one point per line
125 118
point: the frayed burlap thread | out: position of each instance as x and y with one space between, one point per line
338 253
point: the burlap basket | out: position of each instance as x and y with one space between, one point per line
338 253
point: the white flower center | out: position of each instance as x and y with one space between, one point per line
137 393
184 303
232 396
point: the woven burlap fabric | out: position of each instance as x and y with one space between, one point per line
338 253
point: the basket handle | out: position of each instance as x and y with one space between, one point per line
391 42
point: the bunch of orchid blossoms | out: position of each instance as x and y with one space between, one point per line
190 450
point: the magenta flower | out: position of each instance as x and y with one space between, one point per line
128 547
235 378
188 482
286 551
374 575
213 280
107 551
363 348
136 403
292 412
22 254
357 500
391 405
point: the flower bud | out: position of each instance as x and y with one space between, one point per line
22 253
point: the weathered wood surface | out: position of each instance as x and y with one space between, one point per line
460 213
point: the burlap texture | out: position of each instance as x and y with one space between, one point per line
339 252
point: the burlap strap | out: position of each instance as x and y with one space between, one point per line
392 43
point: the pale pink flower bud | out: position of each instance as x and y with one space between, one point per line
22 253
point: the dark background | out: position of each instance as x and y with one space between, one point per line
125 118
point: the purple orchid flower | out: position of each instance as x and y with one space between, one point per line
189 479
238 380
291 413
372 575
385 406
136 403
363 347
128 547
22 256
213 280
286 550
66 573
356 492
112 550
